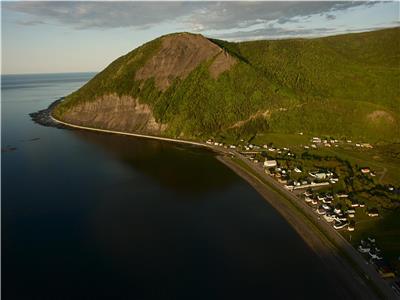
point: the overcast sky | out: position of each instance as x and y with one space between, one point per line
44 37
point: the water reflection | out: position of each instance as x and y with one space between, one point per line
164 162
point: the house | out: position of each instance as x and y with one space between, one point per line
289 187
365 170
363 249
365 145
326 207
373 214
342 195
340 225
316 140
327 200
321 211
306 147
270 163
232 146
297 170
319 175
307 199
329 218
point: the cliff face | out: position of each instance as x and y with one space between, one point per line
115 113
174 58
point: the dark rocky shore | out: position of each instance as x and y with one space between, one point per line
42 117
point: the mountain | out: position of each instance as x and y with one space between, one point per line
187 86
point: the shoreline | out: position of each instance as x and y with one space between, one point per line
350 281
131 134
337 256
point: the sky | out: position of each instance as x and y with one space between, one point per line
54 37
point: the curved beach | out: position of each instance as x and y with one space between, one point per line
359 278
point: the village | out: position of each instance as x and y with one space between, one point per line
331 187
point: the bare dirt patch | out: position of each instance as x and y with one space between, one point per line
221 63
179 55
263 114
380 115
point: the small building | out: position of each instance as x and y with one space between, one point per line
342 195
365 170
270 163
373 214
316 140
365 145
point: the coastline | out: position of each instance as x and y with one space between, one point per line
337 255
328 254
131 134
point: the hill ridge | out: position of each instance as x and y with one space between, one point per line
198 86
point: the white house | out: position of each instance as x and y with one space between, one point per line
270 163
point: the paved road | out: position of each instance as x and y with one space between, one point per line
132 134
332 234
367 269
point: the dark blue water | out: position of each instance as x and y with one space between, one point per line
95 216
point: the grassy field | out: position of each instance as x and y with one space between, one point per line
345 161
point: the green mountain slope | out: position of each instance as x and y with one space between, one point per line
184 85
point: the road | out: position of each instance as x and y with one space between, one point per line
367 269
333 260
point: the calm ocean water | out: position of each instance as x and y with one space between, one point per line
95 216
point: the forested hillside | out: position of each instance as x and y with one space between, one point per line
184 85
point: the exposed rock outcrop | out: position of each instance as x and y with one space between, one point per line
115 113
179 55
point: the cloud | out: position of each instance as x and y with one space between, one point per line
198 16
30 22
330 17
272 32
